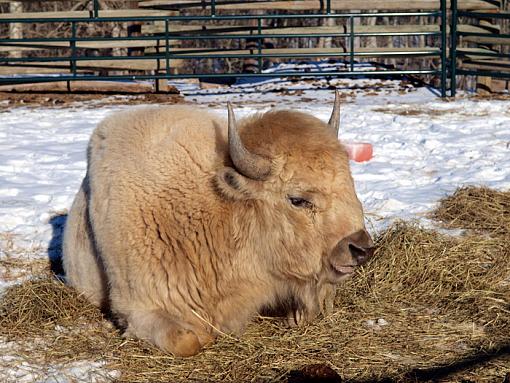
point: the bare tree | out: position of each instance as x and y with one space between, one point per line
15 29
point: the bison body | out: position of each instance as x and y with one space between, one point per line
186 225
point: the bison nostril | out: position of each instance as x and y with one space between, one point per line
360 254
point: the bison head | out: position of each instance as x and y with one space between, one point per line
293 195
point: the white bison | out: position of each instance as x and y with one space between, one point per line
186 224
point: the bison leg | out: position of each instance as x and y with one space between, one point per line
297 317
307 307
83 268
170 335
314 299
327 293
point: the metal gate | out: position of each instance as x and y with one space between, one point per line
74 65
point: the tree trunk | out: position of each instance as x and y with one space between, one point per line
371 41
15 29
357 23
327 42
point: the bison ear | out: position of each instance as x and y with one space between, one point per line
234 185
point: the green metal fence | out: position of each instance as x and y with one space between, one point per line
484 60
168 54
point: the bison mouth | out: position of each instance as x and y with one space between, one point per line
350 252
342 270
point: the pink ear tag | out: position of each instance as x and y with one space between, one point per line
359 151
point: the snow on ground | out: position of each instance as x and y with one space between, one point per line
424 148
27 372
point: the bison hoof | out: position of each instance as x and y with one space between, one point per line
181 342
327 296
165 333
296 318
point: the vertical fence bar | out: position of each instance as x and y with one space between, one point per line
351 42
453 49
213 8
259 43
328 11
73 54
96 8
73 48
167 49
444 47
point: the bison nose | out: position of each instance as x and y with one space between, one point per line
360 254
361 246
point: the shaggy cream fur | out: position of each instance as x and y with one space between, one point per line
169 236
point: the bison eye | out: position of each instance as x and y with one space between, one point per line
300 202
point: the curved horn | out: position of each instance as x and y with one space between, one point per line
334 120
248 164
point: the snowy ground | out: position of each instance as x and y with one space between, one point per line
424 148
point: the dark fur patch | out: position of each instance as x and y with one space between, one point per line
282 307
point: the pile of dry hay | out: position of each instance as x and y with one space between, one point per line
427 303
480 209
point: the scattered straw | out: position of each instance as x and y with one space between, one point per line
426 301
41 303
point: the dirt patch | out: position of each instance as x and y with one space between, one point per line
418 110
9 100
427 307
415 111
492 96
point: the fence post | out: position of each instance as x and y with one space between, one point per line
73 53
259 44
444 47
351 42
453 49
167 48
96 8
213 8
73 48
